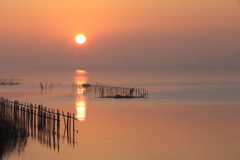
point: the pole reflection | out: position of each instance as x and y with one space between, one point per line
80 78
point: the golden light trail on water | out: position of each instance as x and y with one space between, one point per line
80 100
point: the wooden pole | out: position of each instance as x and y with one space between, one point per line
67 120
73 122
54 124
64 119
70 121
67 127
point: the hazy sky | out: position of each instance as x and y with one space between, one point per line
120 34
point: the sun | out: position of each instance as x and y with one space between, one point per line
80 39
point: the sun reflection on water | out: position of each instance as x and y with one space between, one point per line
81 109
80 100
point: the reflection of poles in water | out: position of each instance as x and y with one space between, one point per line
13 132
35 126
38 121
58 137
73 131
67 128
53 132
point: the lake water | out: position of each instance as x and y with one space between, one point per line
188 115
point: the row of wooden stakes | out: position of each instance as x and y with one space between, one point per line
39 121
104 91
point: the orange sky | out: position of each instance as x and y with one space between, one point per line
154 31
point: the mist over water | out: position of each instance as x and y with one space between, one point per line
165 85
185 111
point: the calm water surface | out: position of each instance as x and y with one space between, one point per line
188 115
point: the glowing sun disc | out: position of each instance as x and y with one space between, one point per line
80 39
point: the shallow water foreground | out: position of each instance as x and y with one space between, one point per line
160 127
168 132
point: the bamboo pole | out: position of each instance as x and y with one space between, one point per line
64 119
53 124
70 122
67 121
73 122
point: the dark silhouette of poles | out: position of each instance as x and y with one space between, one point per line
39 121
